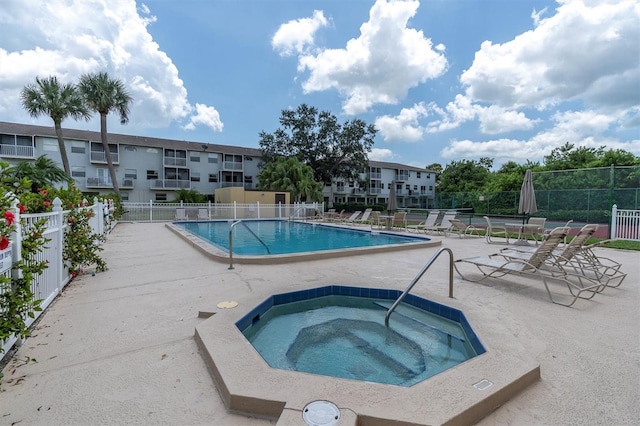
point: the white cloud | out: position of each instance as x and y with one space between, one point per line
582 52
581 128
494 119
405 126
207 116
71 38
381 154
297 36
381 65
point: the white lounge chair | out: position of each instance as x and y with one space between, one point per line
364 218
399 220
533 266
445 225
352 218
462 229
181 214
429 222
495 231
203 214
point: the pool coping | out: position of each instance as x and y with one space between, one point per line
220 255
446 398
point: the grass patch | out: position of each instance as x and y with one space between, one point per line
617 244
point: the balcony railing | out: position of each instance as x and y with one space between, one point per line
402 176
17 151
173 161
95 182
170 184
232 165
99 157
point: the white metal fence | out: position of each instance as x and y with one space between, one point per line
47 285
159 212
625 224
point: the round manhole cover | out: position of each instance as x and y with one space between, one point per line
321 413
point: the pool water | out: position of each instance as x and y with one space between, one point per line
345 336
272 237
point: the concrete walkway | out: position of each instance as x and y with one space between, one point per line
118 347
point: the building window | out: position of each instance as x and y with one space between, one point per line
248 179
213 178
161 197
78 172
194 157
124 196
50 145
78 147
195 176
152 174
428 176
418 175
415 187
130 174
212 158
130 148
248 158
430 188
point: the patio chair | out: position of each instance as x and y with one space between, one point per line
429 222
535 228
181 214
203 214
364 219
375 220
578 258
495 231
462 229
399 220
445 225
531 266
352 218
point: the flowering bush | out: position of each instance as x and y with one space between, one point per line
81 246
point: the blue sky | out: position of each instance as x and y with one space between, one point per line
442 80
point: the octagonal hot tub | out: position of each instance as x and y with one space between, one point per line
339 331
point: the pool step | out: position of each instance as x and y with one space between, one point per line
414 315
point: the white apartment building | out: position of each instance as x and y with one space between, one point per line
153 169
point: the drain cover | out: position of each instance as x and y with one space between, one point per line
321 413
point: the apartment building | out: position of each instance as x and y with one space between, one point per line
153 169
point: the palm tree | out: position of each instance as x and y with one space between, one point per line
289 174
105 95
41 173
59 101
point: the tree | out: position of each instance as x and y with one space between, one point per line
465 175
41 173
104 95
331 149
59 101
436 168
289 174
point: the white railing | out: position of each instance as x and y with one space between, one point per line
47 285
625 224
164 212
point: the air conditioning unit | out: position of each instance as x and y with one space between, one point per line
127 182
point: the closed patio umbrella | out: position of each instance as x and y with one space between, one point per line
527 204
392 204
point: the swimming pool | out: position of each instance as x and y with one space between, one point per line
339 332
256 240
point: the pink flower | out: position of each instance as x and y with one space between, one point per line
46 204
4 242
9 217
21 208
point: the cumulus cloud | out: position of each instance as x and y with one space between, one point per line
582 128
297 36
583 51
75 37
207 116
381 154
403 127
381 65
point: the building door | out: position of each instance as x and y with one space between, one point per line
280 198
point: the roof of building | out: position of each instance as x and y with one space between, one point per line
32 130
87 135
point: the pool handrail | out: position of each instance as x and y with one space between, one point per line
231 240
417 277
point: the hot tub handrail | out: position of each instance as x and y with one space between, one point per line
417 277
231 240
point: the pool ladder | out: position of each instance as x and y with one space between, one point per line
420 274
231 240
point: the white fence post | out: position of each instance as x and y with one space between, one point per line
258 202
59 241
16 238
614 220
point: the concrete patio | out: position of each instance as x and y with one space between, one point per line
118 347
